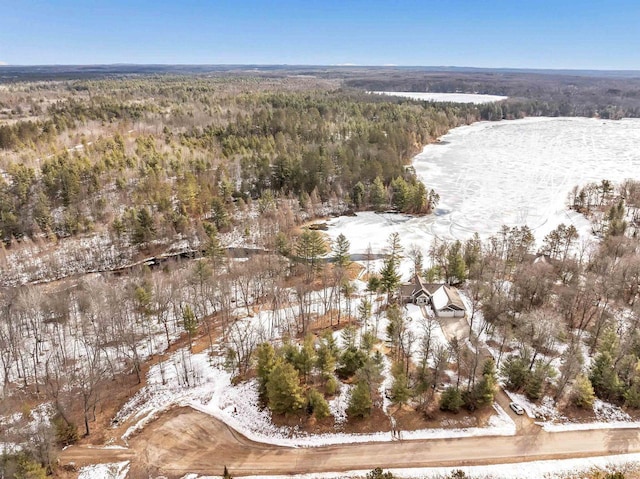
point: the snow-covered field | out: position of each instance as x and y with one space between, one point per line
512 173
445 97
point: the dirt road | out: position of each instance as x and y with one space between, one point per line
185 440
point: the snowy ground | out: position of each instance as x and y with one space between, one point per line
512 173
210 391
116 470
608 416
445 97
526 470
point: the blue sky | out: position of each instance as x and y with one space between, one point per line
586 34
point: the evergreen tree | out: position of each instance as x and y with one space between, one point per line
309 249
351 360
400 194
189 322
378 195
358 194
282 245
516 372
486 387
360 402
213 248
400 391
604 378
534 386
632 396
266 356
331 386
144 228
456 267
318 404
341 251
306 357
451 400
582 394
394 248
418 202
283 389
327 354
389 278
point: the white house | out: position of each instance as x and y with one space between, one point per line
444 299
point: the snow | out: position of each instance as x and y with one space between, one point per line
440 298
514 173
115 470
521 171
338 405
608 416
210 391
474 98
523 470
609 412
418 325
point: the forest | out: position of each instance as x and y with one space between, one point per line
149 217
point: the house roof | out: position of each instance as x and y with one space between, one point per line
447 297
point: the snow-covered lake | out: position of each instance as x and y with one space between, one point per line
511 173
445 97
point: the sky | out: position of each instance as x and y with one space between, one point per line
561 34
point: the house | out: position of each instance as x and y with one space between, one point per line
447 303
417 291
444 299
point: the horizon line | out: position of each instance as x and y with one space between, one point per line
313 65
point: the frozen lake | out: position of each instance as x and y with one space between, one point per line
511 173
444 97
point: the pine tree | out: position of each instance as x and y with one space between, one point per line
226 474
283 389
378 195
266 356
189 322
351 360
603 377
341 251
213 249
456 267
306 357
451 400
327 353
400 193
360 402
389 278
516 372
331 386
632 396
144 228
534 386
418 199
318 404
400 391
582 394
486 387
358 194
309 249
